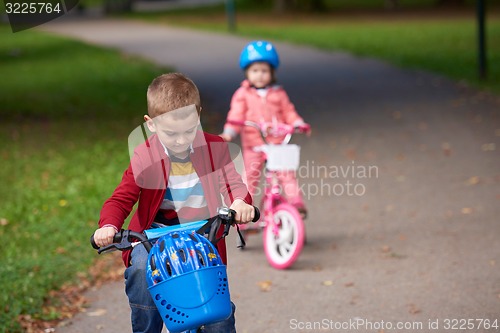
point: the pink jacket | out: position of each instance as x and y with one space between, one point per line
247 104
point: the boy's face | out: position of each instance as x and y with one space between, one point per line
176 133
259 74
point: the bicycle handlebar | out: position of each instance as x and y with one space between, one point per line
273 129
124 239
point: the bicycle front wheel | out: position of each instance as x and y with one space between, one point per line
284 238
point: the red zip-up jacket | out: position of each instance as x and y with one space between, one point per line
146 179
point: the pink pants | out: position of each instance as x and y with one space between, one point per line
254 162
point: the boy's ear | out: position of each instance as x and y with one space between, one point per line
150 123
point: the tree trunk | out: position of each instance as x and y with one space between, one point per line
318 5
391 4
281 6
451 2
117 6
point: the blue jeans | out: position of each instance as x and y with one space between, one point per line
145 317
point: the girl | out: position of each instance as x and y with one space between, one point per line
259 100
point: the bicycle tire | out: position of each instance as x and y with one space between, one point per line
282 250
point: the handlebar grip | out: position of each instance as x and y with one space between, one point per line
117 238
257 214
92 242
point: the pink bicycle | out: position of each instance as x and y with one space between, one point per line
282 225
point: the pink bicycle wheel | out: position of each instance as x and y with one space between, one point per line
284 239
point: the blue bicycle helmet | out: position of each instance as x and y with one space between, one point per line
187 281
179 253
259 51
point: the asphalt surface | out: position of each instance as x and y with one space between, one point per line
410 238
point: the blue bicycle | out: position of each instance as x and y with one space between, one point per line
185 274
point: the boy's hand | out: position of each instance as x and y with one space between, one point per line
244 212
104 236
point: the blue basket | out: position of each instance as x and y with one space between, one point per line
193 299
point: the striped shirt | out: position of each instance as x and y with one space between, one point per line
184 199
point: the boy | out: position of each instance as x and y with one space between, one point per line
177 175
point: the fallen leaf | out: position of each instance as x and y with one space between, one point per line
396 255
488 147
413 309
97 313
317 268
386 249
61 250
423 126
265 285
351 154
446 147
473 180
349 284
327 283
396 115
466 210
3 222
457 102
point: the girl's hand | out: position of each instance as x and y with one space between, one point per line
104 236
304 128
244 212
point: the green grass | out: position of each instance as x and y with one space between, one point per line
67 109
438 40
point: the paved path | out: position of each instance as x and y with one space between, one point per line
411 236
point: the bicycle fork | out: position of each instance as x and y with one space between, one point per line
272 199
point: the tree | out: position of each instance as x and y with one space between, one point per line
451 2
281 6
391 4
117 6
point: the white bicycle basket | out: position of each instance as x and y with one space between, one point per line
282 157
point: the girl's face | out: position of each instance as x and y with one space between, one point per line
259 74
